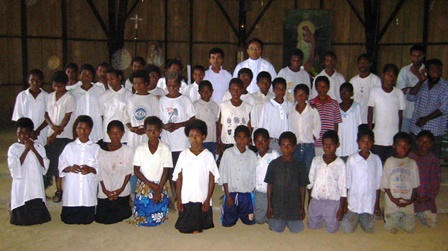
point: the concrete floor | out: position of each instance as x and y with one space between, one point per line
122 236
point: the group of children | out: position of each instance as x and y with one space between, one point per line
113 143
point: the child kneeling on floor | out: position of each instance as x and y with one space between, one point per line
195 175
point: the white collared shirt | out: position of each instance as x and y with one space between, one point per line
113 107
256 66
162 85
305 125
407 79
336 80
151 165
209 113
238 170
363 180
79 190
196 171
293 79
361 92
27 183
220 82
192 92
57 109
274 117
327 181
262 168
248 98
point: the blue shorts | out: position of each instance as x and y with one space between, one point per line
242 208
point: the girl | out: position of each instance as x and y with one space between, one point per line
27 162
351 119
78 165
152 160
196 173
115 169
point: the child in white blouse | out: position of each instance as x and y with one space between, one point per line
195 173
78 165
27 162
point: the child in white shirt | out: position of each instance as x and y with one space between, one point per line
195 174
294 74
154 74
138 63
262 96
192 90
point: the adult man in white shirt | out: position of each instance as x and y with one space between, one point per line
255 62
294 74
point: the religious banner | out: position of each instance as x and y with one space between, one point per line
309 31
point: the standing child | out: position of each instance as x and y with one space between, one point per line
262 96
138 63
174 65
400 181
304 122
152 159
287 179
274 115
113 102
79 166
27 163
198 76
264 157
175 110
335 79
238 175
195 174
234 112
328 183
58 115
364 172
208 111
245 75
430 175
101 72
351 119
386 105
87 98
330 115
114 171
72 69
219 77
32 103
294 74
154 74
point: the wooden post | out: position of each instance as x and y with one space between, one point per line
24 36
426 24
191 33
64 33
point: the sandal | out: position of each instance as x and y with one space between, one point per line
57 197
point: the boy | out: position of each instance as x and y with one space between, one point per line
31 103
198 76
364 172
71 69
264 157
176 66
87 98
154 74
304 122
328 108
400 181
238 174
27 163
233 112
219 77
294 74
287 179
113 102
245 75
137 63
335 78
208 111
261 96
58 115
195 175
138 107
328 183
430 175
101 69
363 83
408 77
255 63
386 105
274 114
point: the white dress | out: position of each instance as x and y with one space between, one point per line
348 129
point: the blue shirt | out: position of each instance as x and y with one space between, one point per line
426 102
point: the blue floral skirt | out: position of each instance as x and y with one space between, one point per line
146 212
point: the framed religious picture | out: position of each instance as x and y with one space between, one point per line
154 54
309 31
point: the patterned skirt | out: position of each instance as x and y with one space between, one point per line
146 212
